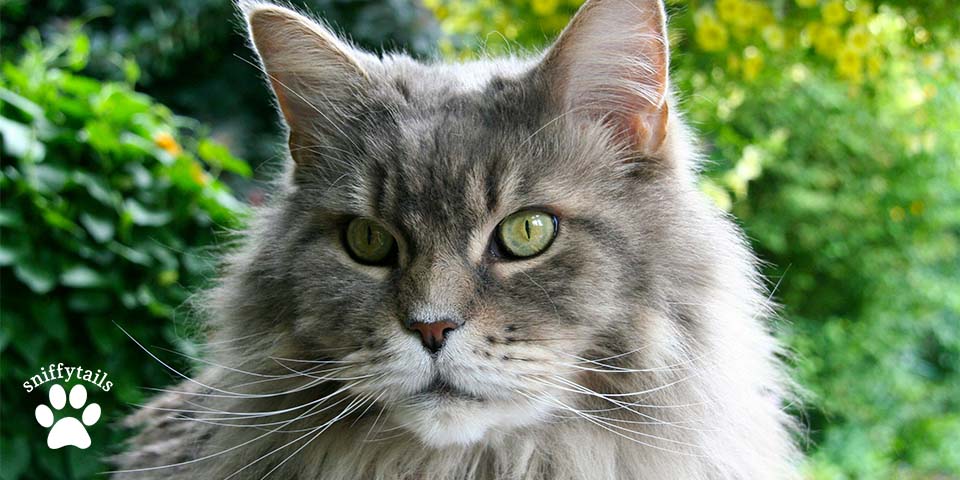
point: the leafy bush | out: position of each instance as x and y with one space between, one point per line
190 52
831 129
108 202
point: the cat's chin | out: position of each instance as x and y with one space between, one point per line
443 420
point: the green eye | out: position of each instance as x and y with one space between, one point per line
527 233
368 241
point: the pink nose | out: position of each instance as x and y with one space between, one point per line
433 334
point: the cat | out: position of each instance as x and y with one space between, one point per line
500 269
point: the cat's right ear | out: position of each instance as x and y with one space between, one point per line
316 77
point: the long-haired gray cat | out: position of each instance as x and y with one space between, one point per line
493 270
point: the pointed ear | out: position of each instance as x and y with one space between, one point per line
316 77
611 64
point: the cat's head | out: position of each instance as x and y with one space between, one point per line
459 237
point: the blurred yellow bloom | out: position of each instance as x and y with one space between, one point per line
850 65
916 207
711 34
752 62
543 7
863 13
167 143
834 12
827 41
773 35
762 14
859 38
729 10
806 3
897 214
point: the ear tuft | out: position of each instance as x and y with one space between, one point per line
611 64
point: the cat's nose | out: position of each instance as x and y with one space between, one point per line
433 335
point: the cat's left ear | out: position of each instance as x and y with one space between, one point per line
611 64
317 78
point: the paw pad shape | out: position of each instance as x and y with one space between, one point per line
68 430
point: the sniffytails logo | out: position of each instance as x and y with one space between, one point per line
64 429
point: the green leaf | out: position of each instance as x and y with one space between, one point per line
23 104
130 254
89 301
10 218
142 216
8 256
131 71
101 229
47 178
219 156
79 52
81 276
20 141
40 278
97 188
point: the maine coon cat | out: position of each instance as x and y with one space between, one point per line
501 269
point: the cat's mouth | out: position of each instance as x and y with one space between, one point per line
441 388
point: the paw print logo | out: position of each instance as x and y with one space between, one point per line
68 430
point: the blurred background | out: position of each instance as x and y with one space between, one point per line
135 135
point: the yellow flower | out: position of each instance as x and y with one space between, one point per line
921 35
806 3
827 41
859 38
711 34
773 35
729 10
809 33
850 65
752 62
762 13
916 207
863 13
834 12
897 214
544 7
167 143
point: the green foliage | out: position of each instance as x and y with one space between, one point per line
832 133
108 202
190 53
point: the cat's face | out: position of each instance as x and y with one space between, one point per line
458 238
